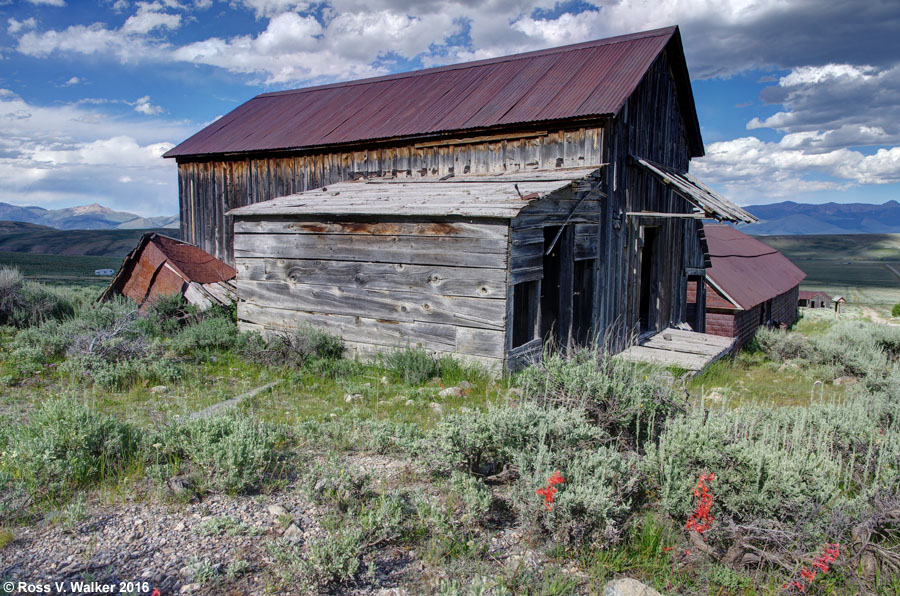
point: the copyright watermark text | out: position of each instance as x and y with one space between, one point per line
79 587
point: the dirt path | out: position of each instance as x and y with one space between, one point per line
876 316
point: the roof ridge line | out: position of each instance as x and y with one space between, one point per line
483 62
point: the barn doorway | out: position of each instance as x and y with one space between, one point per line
550 287
583 301
648 270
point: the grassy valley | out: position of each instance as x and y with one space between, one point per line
864 268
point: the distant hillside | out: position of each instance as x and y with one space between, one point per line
24 237
789 218
86 217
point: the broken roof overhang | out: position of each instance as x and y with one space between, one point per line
707 201
490 196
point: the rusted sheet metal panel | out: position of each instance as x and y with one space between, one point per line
161 266
747 270
592 79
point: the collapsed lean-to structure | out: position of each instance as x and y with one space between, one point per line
474 209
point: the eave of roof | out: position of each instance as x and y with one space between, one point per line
575 84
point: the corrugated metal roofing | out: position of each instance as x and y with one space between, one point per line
493 196
160 265
747 271
592 79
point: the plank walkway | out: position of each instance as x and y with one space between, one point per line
685 349
230 403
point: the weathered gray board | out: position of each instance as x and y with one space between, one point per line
684 349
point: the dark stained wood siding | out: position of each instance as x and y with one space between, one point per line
651 127
208 189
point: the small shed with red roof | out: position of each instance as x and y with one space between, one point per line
748 284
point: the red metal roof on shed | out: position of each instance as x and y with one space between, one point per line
592 79
747 270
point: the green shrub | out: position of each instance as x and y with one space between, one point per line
489 441
411 365
296 348
895 310
66 445
210 333
26 303
781 345
601 488
627 400
474 496
779 464
230 453
333 558
166 315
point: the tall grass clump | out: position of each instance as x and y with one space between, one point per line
66 445
229 453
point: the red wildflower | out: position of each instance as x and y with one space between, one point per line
822 562
701 520
549 491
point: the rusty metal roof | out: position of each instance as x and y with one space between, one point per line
592 79
746 271
161 265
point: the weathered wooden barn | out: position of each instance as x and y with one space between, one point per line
474 209
749 284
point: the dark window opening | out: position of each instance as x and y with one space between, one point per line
525 312
583 301
550 286
647 286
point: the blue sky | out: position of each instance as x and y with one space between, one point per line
798 99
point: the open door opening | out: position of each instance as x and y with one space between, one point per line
583 301
648 294
550 287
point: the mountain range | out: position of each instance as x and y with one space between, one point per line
790 218
777 219
86 217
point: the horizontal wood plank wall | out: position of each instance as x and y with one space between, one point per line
379 283
649 126
207 189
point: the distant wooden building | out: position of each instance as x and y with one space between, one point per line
162 266
814 299
474 209
749 284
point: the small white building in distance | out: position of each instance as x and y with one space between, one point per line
104 271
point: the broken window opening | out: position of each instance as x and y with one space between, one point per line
525 312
